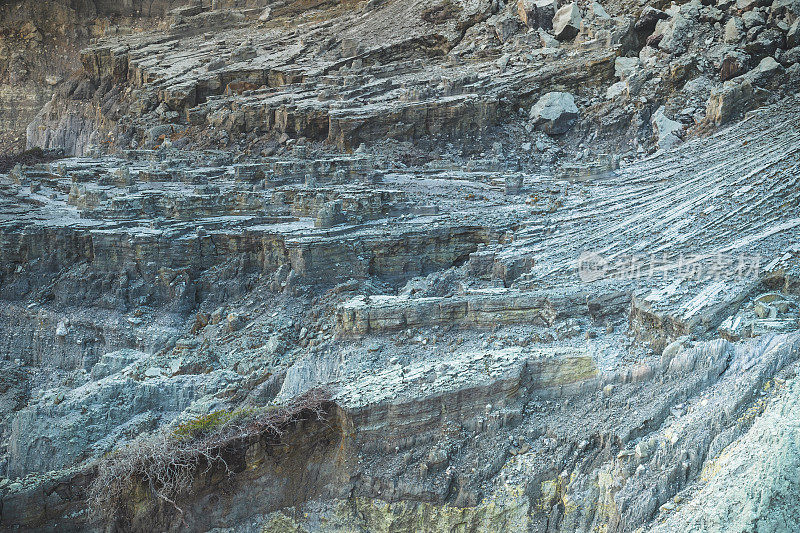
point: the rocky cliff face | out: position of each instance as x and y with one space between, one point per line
40 44
541 258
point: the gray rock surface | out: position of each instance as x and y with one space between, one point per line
567 22
547 276
729 101
751 484
554 113
667 131
793 35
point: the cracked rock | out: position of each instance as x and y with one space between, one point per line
554 113
567 22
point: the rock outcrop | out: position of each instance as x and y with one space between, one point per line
538 267
554 113
730 101
567 22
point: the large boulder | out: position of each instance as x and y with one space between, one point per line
728 101
646 23
676 34
733 64
567 22
537 13
667 131
793 35
734 30
554 113
768 74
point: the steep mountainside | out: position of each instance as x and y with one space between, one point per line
393 266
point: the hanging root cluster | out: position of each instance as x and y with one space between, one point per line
166 462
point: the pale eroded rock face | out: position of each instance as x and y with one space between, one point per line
751 483
64 428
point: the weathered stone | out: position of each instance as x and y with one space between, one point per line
454 321
667 131
766 74
482 310
513 184
766 44
527 12
646 23
554 113
793 35
732 65
671 350
752 19
45 437
537 13
764 448
790 57
330 215
506 25
234 322
547 40
625 67
567 22
114 362
729 101
734 30
785 8
191 10
598 12
248 172
617 90
676 34
545 11
747 5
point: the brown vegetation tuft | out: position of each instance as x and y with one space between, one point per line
166 461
